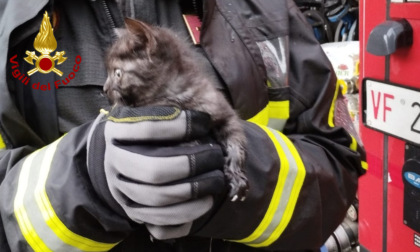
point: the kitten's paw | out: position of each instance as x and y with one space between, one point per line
238 187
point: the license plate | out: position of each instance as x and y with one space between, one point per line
392 109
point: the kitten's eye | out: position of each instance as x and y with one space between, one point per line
118 73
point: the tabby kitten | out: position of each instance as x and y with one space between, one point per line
151 65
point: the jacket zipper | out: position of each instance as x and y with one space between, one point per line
110 19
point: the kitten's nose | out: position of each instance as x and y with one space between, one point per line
106 86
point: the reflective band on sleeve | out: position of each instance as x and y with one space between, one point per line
39 223
289 183
274 115
332 108
22 218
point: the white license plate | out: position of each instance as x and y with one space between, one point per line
392 109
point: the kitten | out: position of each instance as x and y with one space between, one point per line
150 65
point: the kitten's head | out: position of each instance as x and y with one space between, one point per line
140 63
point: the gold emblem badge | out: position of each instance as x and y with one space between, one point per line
45 43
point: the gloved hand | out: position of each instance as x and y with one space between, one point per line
157 166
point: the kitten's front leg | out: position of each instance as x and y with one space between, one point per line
231 136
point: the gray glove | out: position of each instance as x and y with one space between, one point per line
157 166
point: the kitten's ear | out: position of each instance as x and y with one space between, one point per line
141 30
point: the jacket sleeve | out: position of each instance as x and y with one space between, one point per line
302 177
32 207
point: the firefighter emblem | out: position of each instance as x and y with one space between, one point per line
45 43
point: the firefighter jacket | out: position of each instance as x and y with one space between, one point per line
303 161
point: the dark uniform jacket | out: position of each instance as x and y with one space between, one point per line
303 160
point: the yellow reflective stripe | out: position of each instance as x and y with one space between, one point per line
46 232
364 165
261 118
353 145
343 85
2 144
274 207
51 218
22 218
332 108
297 186
277 191
278 109
294 194
274 109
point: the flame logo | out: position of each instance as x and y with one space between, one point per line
45 43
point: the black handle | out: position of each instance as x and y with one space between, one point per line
388 36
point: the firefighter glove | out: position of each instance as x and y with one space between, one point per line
157 166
